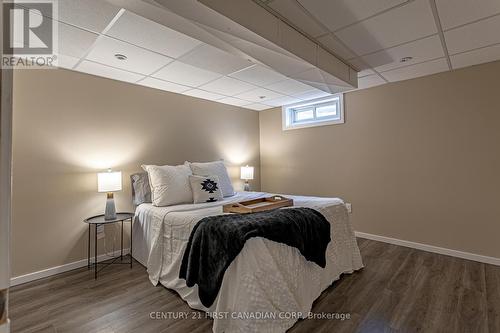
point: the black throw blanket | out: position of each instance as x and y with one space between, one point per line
216 241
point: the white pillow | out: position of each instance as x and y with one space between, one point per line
216 169
169 184
205 189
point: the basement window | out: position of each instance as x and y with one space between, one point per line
318 112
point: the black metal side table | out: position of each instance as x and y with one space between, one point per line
98 221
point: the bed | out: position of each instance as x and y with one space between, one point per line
268 286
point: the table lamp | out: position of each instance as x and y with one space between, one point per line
109 182
246 175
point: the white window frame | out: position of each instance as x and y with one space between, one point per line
289 111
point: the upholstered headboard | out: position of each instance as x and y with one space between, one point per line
141 191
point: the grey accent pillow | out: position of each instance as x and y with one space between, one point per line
214 169
205 189
141 190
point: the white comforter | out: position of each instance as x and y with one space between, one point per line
266 277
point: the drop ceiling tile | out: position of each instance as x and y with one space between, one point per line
68 62
108 72
337 89
313 75
283 63
479 56
289 87
403 24
453 13
94 15
258 95
163 85
473 36
320 86
311 94
287 100
185 74
330 88
358 64
259 75
365 72
335 14
302 47
292 11
138 60
227 86
257 106
74 42
45 11
370 81
421 50
317 76
203 94
142 32
215 60
233 101
333 89
410 72
336 47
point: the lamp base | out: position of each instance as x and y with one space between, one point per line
247 187
110 212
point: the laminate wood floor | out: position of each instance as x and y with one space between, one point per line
399 290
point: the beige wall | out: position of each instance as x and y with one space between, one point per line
68 126
419 160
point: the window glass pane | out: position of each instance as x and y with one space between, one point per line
327 111
304 114
318 112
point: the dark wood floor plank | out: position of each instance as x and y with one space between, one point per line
492 278
412 298
472 304
474 276
472 311
433 308
399 290
378 318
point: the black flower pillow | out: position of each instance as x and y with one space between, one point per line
205 188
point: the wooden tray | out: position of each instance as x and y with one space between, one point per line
258 205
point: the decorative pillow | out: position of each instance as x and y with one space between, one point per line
169 184
141 190
216 169
205 189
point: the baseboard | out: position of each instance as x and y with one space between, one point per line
60 269
419 246
431 248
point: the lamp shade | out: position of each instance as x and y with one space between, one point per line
247 172
109 181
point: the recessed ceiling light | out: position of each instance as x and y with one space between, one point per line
405 59
120 56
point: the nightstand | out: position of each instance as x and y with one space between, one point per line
99 220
